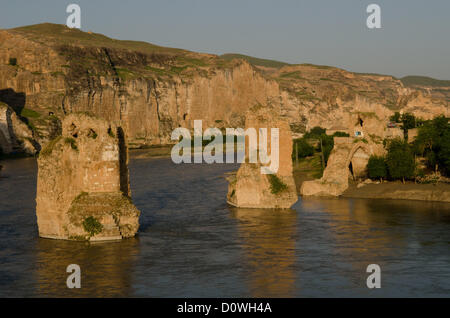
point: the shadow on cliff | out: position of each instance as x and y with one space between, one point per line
17 102
13 99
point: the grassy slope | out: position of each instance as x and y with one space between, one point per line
64 35
423 81
254 60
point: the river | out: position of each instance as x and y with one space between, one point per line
191 244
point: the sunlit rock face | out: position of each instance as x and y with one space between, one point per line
83 190
15 136
347 152
152 90
250 188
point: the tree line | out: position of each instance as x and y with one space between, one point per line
432 143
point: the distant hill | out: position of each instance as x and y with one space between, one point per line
61 34
254 60
424 81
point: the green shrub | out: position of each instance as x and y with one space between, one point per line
110 133
92 226
304 149
341 134
12 61
92 134
29 113
315 132
377 168
276 185
72 142
47 150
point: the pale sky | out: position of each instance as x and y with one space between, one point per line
414 38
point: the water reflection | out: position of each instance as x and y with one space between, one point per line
105 267
268 240
191 244
397 235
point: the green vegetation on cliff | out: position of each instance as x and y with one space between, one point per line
254 60
47 150
423 81
64 35
276 184
92 226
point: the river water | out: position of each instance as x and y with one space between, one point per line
191 244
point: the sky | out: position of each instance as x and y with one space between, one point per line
414 38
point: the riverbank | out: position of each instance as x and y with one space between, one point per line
151 152
398 191
310 169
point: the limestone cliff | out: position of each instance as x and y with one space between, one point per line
15 135
249 187
83 190
150 90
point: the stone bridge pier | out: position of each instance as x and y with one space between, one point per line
348 158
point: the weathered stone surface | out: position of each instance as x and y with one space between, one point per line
83 183
15 136
335 177
151 93
249 188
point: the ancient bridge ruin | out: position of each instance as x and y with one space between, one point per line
348 158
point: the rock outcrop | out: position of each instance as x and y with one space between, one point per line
83 190
249 187
347 151
150 90
15 136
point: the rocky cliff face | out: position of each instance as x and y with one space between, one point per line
150 90
83 190
15 135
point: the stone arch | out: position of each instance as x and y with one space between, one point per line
358 158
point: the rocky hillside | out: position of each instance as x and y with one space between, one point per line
437 88
48 71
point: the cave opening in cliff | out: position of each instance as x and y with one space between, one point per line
73 130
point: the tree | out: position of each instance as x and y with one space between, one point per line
400 160
426 138
304 149
433 143
443 156
395 118
327 144
315 133
408 122
376 167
